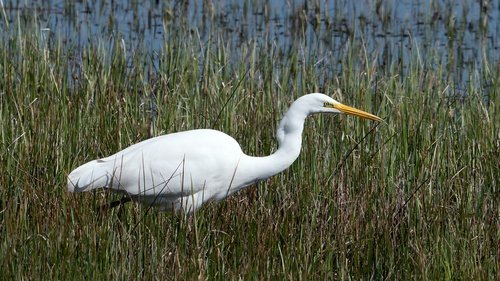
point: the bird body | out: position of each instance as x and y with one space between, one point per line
181 171
196 160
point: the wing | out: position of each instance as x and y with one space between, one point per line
174 165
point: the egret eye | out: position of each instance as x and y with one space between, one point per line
328 105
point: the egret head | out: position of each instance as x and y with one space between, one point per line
321 103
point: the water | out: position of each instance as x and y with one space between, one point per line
462 35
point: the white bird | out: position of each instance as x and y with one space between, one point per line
181 171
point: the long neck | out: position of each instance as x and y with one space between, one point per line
289 137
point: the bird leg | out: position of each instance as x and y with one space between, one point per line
106 207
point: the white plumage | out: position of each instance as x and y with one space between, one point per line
181 171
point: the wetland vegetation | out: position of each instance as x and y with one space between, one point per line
415 197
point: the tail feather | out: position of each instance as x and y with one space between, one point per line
91 175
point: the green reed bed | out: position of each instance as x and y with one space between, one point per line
415 197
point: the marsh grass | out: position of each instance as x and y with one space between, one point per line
414 197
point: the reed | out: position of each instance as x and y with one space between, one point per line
415 197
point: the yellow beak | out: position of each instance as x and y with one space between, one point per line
356 112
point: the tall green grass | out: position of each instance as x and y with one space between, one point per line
415 197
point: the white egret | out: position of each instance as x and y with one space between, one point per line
181 171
